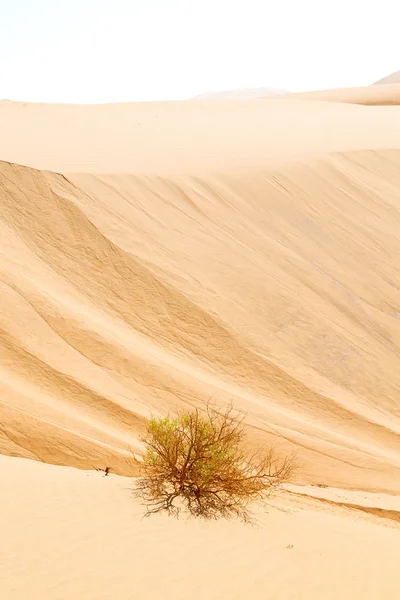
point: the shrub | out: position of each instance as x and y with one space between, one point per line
199 458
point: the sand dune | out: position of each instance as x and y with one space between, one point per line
170 139
387 95
155 255
183 254
392 78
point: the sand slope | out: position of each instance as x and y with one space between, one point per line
186 253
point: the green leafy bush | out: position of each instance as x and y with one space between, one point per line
199 458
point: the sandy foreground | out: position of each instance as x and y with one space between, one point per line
68 533
156 255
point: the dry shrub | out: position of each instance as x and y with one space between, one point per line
199 458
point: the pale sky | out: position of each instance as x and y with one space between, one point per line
128 50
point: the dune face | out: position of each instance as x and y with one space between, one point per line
156 255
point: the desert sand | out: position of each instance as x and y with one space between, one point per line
77 534
156 255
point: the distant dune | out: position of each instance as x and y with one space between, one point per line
374 96
156 255
393 78
240 94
